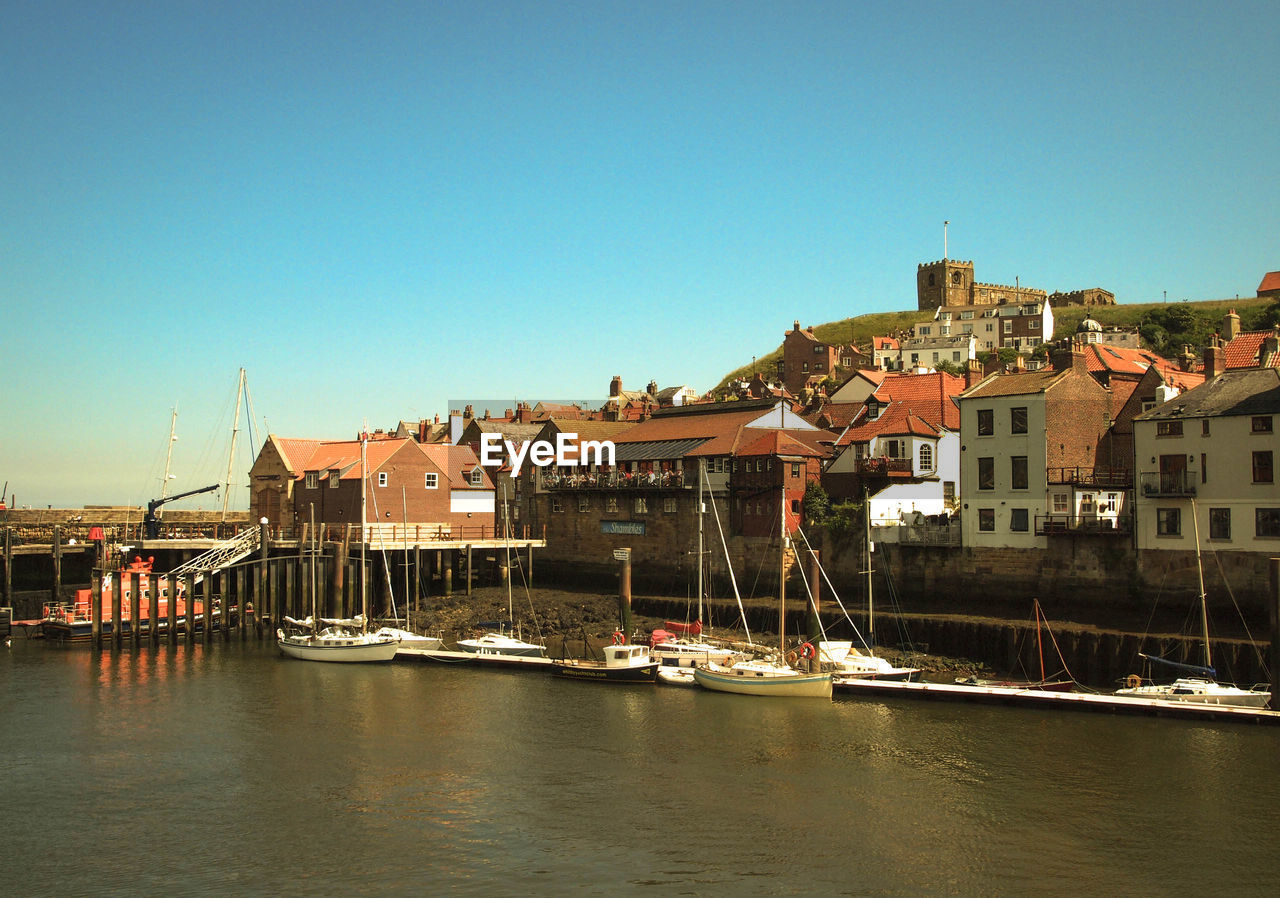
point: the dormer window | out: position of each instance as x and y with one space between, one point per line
873 409
313 479
333 479
476 477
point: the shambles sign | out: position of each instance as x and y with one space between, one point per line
631 528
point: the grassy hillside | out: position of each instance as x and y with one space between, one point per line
1164 326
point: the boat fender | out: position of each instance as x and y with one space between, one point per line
1133 681
618 638
807 651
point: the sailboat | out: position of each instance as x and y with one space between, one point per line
342 639
497 644
840 656
1200 685
774 675
678 647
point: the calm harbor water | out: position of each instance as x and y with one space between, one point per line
230 769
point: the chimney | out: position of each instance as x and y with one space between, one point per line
652 389
468 413
1230 326
615 386
795 326
972 373
1267 352
1187 359
1215 358
508 415
1068 359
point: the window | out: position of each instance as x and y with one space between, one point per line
669 505
1266 521
1219 523
556 505
948 491
333 480
641 505
1168 522
987 519
1204 468
986 422
431 481
1262 472
795 469
966 316
382 478
313 479
1261 424
955 278
1060 504
1008 327
1204 425
1148 405
1168 428
611 503
584 503
1018 472
1018 419
986 473
1034 324
922 330
926 457
477 478
1018 520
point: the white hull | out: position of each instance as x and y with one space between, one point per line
677 676
347 648
1204 692
498 644
410 640
755 678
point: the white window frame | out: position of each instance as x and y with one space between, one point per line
431 480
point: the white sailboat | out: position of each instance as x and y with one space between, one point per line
1202 686
345 639
497 644
773 675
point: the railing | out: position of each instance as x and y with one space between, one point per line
884 466
42 534
392 535
1166 484
1059 524
920 534
613 480
1104 478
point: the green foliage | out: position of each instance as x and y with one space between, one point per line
1168 328
845 520
817 504
948 367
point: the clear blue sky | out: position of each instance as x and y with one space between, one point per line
377 207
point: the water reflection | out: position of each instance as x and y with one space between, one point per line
237 770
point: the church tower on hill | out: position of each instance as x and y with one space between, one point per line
948 282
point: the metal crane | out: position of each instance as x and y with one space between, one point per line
152 521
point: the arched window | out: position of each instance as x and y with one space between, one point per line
926 457
931 279
955 278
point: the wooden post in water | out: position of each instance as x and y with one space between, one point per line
1274 605
447 573
8 566
242 602
290 597
175 590
624 588
95 609
135 604
117 601
468 569
189 618
341 550
57 564
814 573
261 594
206 607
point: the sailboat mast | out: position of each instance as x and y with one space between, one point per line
231 456
866 534
168 456
1204 612
782 573
702 470
506 542
364 517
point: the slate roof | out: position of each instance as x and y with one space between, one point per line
1249 391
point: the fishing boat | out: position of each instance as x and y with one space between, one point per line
1201 686
341 640
623 663
1055 683
782 674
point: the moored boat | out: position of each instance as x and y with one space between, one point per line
499 643
624 663
73 621
340 640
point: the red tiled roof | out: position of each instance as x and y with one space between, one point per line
1270 281
724 429
779 442
928 395
1023 384
296 452
896 419
1242 352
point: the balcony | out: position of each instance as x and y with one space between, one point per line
1167 484
1075 524
1096 478
614 480
885 467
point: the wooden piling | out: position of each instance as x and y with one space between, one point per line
468 570
624 588
262 603
8 567
1273 568
175 590
242 602
57 564
189 618
135 604
206 608
117 596
447 572
95 609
